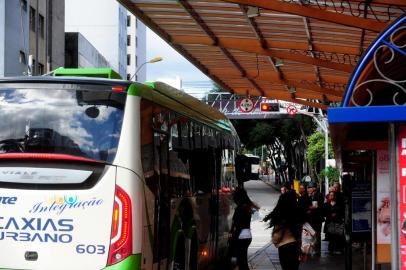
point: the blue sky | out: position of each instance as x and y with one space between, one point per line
173 63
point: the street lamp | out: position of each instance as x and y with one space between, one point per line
153 60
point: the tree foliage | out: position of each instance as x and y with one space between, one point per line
333 175
315 149
280 137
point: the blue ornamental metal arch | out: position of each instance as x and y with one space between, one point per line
377 89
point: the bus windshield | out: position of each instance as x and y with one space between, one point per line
79 120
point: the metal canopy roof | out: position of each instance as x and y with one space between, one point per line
301 51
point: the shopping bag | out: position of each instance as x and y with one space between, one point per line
308 239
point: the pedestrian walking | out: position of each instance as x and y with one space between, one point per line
334 213
338 193
240 234
303 202
314 213
286 224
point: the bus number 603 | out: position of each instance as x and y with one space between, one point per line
90 249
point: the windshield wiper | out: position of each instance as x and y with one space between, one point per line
12 145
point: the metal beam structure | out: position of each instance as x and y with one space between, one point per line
297 51
200 22
314 13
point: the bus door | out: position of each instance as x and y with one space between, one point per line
162 200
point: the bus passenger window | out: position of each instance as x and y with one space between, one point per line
197 135
184 131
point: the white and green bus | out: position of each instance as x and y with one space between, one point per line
100 173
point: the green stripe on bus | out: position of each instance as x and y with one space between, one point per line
133 262
107 73
133 90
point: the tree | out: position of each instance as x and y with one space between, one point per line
316 151
280 137
333 175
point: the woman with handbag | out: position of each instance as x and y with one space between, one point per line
287 228
241 227
334 212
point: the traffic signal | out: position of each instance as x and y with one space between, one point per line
269 107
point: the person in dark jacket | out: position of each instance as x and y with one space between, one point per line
286 223
241 227
303 202
315 213
334 213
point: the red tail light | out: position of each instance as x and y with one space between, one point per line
121 228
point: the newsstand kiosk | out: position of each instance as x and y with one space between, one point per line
369 136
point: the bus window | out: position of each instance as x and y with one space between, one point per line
197 135
174 138
184 131
178 162
205 137
79 120
212 138
147 148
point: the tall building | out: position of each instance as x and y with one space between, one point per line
80 53
136 49
104 24
26 30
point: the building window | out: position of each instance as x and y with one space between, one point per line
128 76
41 22
136 42
136 23
40 69
32 19
33 67
128 59
136 61
128 20
128 40
23 5
23 59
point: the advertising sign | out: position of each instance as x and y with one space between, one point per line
383 210
402 194
361 207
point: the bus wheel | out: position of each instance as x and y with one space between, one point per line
193 254
179 258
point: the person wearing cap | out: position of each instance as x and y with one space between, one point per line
315 213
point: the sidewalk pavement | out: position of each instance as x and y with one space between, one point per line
270 181
267 258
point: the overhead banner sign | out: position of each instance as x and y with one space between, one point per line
402 194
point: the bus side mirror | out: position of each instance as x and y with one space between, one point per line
242 168
247 167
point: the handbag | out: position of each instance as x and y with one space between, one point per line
335 228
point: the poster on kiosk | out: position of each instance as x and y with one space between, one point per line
402 194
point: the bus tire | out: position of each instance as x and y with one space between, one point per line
179 257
